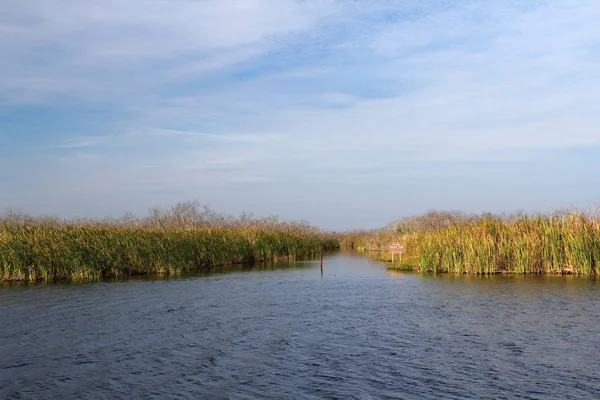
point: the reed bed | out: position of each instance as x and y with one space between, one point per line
560 243
42 249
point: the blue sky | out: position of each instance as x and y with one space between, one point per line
347 114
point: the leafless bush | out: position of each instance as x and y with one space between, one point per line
432 220
186 215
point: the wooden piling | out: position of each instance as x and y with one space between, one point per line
321 261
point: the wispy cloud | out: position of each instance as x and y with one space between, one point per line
228 137
143 40
85 141
293 98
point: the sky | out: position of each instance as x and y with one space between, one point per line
346 114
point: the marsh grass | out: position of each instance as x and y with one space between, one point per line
563 244
36 249
407 263
559 243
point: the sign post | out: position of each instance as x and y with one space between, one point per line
395 248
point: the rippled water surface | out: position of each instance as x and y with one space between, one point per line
286 332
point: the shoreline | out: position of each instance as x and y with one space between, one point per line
540 244
87 252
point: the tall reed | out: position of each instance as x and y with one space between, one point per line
528 245
35 249
563 243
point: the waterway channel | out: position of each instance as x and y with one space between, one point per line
284 331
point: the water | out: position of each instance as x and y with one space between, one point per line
357 332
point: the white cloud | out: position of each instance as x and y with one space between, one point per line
78 48
85 141
228 137
217 93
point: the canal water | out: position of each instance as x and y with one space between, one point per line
284 331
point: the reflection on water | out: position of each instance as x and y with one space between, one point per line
227 269
396 273
284 331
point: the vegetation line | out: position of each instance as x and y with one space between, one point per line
186 238
169 242
559 243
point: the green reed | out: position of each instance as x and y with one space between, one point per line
528 245
455 243
87 251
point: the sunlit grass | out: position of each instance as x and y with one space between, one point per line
562 243
35 249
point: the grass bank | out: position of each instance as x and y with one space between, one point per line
561 243
39 249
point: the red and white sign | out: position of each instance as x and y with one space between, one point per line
395 248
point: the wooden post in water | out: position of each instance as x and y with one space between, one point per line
321 260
